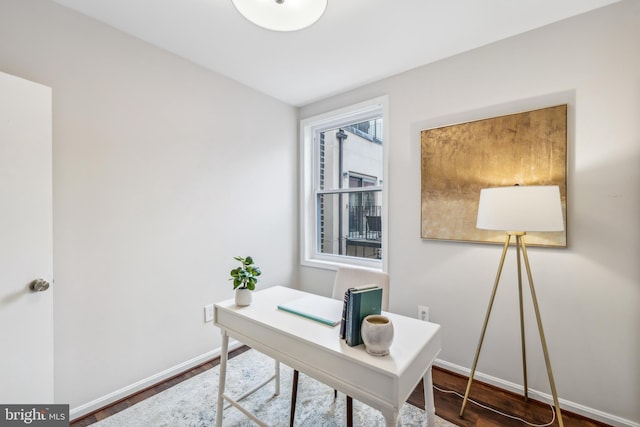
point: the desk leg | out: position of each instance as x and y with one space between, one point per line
391 418
277 377
429 406
223 375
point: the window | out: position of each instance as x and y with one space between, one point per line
343 195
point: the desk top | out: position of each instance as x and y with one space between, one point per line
413 339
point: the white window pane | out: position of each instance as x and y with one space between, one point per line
350 224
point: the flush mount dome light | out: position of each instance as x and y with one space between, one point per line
281 15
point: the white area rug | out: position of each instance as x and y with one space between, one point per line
193 402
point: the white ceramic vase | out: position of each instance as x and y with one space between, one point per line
243 297
377 334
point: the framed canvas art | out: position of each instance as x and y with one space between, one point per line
527 148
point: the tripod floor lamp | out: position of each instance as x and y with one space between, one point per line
519 208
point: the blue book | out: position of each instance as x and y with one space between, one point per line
362 303
323 310
347 316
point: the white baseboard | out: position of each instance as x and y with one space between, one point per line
576 408
101 402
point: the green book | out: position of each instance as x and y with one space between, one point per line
361 304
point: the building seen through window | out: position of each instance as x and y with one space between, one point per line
349 190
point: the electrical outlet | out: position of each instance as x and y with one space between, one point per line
208 313
423 313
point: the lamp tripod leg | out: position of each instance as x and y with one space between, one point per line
542 339
484 326
519 242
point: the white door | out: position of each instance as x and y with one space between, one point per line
26 242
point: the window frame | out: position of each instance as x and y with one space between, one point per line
309 128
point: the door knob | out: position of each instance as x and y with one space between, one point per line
39 285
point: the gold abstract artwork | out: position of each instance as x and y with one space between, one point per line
528 148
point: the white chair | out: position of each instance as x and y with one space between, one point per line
348 277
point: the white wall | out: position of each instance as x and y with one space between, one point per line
162 173
148 178
589 293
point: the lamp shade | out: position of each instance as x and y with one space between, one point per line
520 208
281 15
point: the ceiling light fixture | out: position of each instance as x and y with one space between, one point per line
281 15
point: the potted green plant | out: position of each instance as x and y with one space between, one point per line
244 279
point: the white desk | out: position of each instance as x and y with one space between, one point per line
315 349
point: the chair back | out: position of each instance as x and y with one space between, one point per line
351 277
374 227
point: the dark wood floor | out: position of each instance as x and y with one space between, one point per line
447 405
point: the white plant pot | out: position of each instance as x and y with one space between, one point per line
243 297
377 334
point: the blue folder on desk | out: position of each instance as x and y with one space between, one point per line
323 310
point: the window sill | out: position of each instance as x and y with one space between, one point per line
333 263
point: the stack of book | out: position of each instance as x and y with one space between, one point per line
358 304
